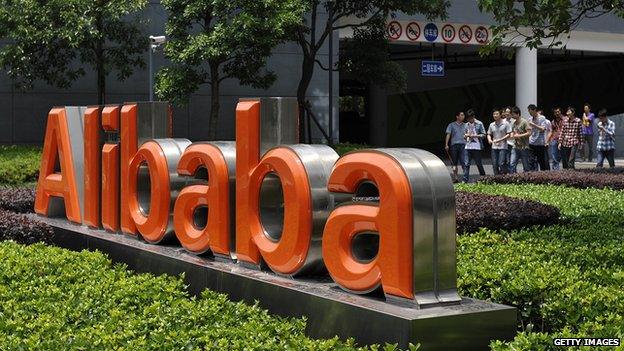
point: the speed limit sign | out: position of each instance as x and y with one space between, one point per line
448 33
481 35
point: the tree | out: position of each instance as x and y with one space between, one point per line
533 21
366 58
55 40
210 41
368 19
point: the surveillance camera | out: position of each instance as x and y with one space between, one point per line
157 40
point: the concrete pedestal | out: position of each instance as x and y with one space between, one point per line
469 325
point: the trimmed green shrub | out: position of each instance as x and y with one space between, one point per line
566 280
343 148
55 299
21 200
19 164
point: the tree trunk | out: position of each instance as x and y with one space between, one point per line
99 63
214 102
101 78
307 71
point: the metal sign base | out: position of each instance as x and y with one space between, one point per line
470 325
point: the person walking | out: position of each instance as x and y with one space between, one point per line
520 132
587 133
606 139
510 142
540 128
553 139
455 143
475 132
570 138
497 135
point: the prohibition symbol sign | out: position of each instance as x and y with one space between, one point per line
394 30
412 31
448 33
465 34
481 35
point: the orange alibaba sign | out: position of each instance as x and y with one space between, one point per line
372 219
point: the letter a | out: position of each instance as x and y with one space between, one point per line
57 146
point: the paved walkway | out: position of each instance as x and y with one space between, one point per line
487 164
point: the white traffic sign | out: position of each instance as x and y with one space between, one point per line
394 30
432 32
448 33
412 31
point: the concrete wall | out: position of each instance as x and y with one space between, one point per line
23 116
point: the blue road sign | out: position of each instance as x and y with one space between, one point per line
432 68
431 32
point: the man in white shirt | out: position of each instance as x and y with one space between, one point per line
497 135
540 129
475 132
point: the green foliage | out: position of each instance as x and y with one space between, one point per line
343 148
55 299
541 22
566 280
47 38
366 58
19 164
210 41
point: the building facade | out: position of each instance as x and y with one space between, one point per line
22 120
587 70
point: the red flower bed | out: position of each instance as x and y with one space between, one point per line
589 178
616 170
20 200
23 229
475 210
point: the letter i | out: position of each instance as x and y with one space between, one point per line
110 170
92 162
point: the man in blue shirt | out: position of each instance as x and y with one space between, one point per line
455 143
587 133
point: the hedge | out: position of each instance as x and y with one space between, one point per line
565 279
23 229
55 299
17 199
600 179
19 164
343 148
615 170
474 211
495 212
